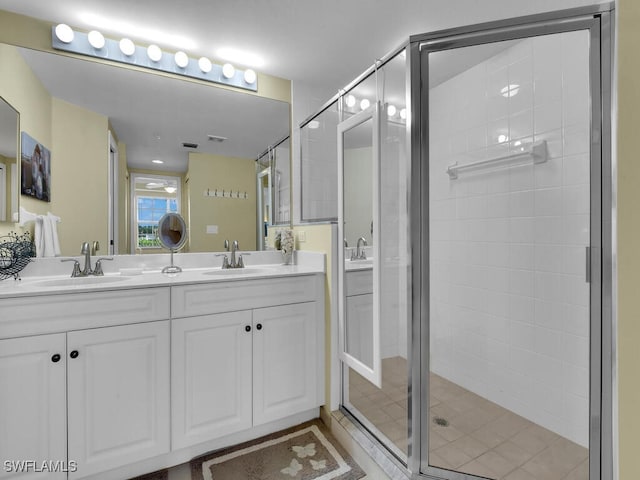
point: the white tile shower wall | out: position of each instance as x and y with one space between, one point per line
509 314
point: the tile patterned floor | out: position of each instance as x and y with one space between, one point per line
480 437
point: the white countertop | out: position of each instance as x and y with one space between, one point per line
143 271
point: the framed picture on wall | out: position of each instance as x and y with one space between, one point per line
36 169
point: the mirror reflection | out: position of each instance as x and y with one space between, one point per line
105 124
358 165
358 195
9 120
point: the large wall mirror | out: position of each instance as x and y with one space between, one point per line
9 127
108 122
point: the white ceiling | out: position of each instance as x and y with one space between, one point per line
320 45
317 42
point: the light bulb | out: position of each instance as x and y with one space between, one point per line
391 110
181 59
64 33
403 113
350 100
96 39
154 53
365 103
205 65
127 47
170 189
228 70
250 76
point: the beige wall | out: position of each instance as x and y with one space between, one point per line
235 218
78 142
79 169
318 239
20 88
628 16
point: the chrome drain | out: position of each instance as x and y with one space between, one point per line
443 422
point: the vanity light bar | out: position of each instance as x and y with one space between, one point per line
151 57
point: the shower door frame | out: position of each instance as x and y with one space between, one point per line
598 21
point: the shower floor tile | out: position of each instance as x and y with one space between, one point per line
474 435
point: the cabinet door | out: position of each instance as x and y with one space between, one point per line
118 395
358 328
33 406
211 372
285 366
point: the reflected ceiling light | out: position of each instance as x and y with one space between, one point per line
64 33
181 59
502 138
205 65
240 57
510 90
127 47
350 100
228 70
250 76
391 110
96 39
517 143
154 53
403 113
313 124
364 104
137 31
170 189
157 161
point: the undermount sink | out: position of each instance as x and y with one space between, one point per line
236 271
77 281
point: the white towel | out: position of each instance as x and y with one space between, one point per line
38 236
52 244
46 236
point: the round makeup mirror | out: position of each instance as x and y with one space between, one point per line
172 234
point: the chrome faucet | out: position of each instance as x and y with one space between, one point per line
87 251
232 262
234 249
359 253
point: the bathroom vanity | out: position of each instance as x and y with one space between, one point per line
129 374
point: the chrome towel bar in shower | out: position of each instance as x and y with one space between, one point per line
537 151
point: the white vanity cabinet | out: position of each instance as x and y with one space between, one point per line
118 395
33 404
258 361
211 373
284 361
96 397
124 381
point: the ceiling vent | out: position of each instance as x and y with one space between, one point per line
189 145
216 138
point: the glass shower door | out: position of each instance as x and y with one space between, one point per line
511 321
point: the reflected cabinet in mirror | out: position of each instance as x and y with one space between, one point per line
358 204
105 123
9 128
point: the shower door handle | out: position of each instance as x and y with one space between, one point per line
588 264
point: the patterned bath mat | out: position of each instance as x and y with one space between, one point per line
304 452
